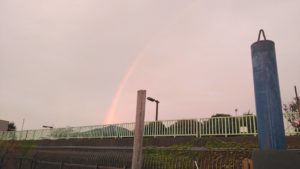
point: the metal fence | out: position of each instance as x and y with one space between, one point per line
217 126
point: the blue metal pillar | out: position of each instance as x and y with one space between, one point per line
267 95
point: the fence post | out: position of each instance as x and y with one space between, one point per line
26 135
31 164
226 118
61 165
200 128
117 131
255 125
197 128
155 129
34 164
20 164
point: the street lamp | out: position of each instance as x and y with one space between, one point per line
156 101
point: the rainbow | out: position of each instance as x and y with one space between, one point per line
110 114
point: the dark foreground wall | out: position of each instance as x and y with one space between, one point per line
229 150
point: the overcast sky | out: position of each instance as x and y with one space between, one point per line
81 62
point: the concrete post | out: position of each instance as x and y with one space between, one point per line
139 130
267 95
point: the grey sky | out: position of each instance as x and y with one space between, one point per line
62 61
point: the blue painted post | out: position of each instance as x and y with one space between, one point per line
267 95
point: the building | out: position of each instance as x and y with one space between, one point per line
3 125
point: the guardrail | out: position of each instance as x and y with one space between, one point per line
217 126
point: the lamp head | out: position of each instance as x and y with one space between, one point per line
151 99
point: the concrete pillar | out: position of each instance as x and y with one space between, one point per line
137 157
267 95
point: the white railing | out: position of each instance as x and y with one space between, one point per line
217 126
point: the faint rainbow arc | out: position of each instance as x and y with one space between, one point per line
109 115
111 112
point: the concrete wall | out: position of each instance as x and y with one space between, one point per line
3 125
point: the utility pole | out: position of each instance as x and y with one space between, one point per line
137 156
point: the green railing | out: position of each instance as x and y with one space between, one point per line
217 126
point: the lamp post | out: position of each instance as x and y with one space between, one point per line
156 101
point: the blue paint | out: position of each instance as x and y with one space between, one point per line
267 96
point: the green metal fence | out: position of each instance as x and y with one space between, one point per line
217 126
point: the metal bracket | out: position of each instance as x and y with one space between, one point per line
263 33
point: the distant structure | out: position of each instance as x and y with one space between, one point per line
3 125
267 95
